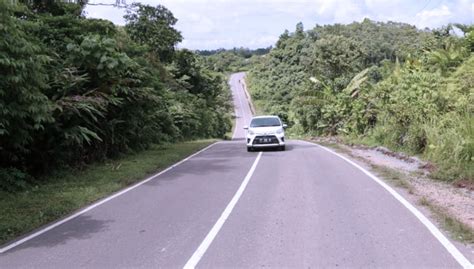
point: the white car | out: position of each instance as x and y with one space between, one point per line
265 131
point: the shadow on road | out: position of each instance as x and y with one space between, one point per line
221 158
291 145
83 227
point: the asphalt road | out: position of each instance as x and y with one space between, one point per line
225 207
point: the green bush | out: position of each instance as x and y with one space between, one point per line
74 91
384 83
24 108
451 144
13 180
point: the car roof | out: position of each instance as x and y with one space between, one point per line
265 116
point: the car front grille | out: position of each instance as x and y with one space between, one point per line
265 139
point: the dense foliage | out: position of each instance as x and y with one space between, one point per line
382 83
233 60
76 90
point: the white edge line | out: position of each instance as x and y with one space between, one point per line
201 250
235 108
94 205
242 108
457 255
248 96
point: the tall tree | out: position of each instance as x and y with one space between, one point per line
55 7
23 107
153 26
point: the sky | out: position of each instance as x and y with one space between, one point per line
207 24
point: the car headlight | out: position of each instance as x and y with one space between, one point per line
251 132
280 131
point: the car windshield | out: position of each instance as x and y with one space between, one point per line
265 122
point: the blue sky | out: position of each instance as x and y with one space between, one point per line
207 24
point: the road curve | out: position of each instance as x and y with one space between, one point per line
304 207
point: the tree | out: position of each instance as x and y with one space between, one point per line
299 32
55 7
75 90
448 58
283 37
24 109
153 26
336 58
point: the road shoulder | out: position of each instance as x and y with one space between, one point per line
450 208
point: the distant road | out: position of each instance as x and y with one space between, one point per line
243 113
225 207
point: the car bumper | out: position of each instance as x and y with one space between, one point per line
261 141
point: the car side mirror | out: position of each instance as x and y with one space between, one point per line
285 126
246 127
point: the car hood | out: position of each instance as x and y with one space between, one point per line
265 130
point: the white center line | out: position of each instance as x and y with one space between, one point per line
201 250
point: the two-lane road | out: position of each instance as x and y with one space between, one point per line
225 207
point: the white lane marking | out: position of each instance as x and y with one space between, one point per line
457 255
56 224
201 250
248 96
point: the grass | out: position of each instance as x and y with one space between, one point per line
393 176
444 155
337 147
355 140
69 190
457 229
228 135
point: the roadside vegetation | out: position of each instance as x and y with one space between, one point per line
458 230
87 107
232 60
75 91
376 83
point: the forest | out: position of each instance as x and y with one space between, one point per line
376 83
76 90
232 60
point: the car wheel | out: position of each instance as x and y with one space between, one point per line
249 149
282 148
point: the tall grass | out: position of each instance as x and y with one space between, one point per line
451 146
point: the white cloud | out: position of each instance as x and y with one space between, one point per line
199 24
112 14
207 43
436 16
352 11
207 24
384 6
263 41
